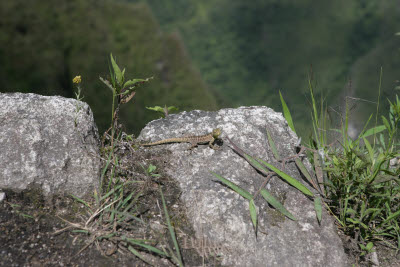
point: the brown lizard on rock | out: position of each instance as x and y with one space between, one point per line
194 140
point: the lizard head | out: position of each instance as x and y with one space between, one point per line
216 133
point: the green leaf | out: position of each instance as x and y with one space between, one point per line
386 123
383 178
286 113
151 168
234 187
276 204
108 84
370 150
374 130
273 147
306 174
318 208
362 211
394 215
350 211
156 108
371 210
382 140
117 70
141 244
256 164
253 214
337 130
354 221
318 169
288 179
361 155
173 108
112 78
82 201
171 229
137 254
133 82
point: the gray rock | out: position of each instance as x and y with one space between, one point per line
48 142
219 215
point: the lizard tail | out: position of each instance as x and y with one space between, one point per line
170 140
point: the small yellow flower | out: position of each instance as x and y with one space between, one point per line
77 79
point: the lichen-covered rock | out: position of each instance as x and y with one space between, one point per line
219 215
48 142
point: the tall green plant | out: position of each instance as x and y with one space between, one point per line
362 186
122 90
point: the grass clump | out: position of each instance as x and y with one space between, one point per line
117 219
363 185
359 177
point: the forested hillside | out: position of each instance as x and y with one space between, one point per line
44 44
245 50
248 50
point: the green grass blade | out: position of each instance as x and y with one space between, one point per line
137 254
361 155
112 78
288 179
365 126
105 169
306 174
314 106
318 208
112 191
117 70
171 230
374 130
249 159
346 127
115 189
383 178
286 113
255 164
386 123
394 215
123 203
134 81
318 170
369 148
141 244
272 146
276 204
83 202
253 214
234 187
126 215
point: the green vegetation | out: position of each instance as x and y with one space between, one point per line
44 45
122 92
245 50
164 111
359 178
114 216
248 50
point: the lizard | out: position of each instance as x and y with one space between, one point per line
194 140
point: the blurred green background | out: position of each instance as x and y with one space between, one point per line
204 54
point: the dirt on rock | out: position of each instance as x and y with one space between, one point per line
28 236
